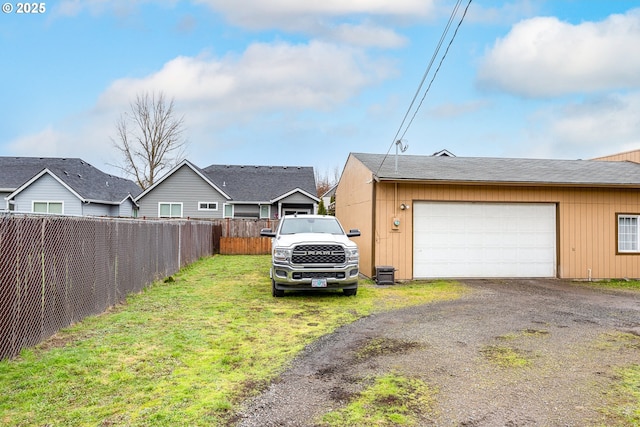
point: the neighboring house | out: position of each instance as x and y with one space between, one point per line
230 191
631 156
327 196
67 186
492 217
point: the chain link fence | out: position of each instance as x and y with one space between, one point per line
55 271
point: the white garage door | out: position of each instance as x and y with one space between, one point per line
484 240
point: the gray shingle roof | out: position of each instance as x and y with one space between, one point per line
89 182
501 170
261 183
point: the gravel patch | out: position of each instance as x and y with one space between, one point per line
566 332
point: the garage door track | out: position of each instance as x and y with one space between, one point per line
572 337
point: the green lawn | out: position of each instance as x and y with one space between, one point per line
185 351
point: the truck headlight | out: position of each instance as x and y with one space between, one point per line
352 254
281 254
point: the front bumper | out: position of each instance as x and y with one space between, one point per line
293 278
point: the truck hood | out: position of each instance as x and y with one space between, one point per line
310 238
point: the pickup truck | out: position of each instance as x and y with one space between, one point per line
312 252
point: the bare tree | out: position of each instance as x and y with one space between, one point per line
324 182
149 137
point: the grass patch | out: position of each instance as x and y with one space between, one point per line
627 390
524 333
633 285
505 357
184 351
623 406
392 400
617 340
380 346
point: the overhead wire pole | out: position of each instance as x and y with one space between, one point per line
426 73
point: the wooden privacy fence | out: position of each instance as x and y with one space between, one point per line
245 245
56 270
242 236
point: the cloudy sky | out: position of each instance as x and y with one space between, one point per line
293 82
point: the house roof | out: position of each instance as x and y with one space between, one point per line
262 183
90 183
201 173
501 170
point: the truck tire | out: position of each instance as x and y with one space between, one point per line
350 292
278 293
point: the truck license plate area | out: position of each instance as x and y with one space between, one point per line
318 283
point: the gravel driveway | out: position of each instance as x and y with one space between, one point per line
569 333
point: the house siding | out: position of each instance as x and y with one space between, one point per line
3 202
96 209
46 188
295 201
586 221
186 187
354 209
125 209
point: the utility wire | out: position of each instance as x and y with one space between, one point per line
426 73
437 69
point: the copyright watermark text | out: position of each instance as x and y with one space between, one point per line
24 8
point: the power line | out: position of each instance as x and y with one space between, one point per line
426 73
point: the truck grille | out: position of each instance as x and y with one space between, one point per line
318 254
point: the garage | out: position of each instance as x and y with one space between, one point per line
475 240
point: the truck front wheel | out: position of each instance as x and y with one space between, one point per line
350 292
276 292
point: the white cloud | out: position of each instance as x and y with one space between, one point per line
268 84
46 143
287 13
599 126
351 22
265 77
544 57
334 20
365 35
86 136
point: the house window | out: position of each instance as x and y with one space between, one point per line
207 206
265 211
228 211
296 211
170 210
47 207
628 233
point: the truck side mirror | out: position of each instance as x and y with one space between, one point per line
267 232
354 232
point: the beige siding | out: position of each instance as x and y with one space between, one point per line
586 221
632 156
354 208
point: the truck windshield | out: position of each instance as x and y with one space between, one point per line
310 225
